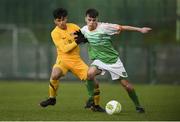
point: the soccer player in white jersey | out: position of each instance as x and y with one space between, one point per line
104 56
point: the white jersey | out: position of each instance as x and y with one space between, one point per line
100 43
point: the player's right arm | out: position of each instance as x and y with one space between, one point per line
62 43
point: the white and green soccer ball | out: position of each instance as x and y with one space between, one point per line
113 107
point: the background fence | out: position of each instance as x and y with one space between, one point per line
27 52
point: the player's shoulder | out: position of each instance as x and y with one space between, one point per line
102 24
56 30
84 28
106 24
72 25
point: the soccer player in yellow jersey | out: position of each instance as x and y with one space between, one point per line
66 37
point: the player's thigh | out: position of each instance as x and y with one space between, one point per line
80 69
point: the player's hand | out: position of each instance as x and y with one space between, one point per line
145 30
79 37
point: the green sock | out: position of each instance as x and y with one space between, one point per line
90 89
134 98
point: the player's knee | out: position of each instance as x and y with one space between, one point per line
55 76
127 85
91 75
56 73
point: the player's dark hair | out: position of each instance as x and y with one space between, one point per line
92 13
59 13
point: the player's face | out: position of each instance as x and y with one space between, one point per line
91 22
61 23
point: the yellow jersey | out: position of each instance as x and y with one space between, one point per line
68 52
64 41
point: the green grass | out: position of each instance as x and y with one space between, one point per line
19 101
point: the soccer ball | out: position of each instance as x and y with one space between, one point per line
113 107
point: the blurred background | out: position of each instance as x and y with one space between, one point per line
27 51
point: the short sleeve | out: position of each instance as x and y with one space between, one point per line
110 29
83 30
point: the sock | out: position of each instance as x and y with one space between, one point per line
134 98
53 86
96 96
90 89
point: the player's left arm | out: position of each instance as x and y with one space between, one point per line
132 28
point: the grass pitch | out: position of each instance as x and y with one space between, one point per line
19 101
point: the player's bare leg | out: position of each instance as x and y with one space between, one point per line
53 87
132 94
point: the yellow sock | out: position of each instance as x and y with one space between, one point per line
53 86
96 96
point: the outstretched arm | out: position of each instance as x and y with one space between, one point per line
131 28
113 29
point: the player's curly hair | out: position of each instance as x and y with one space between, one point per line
92 13
59 13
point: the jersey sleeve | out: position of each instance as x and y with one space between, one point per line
61 43
83 30
110 29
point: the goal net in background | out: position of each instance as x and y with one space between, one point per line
20 54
